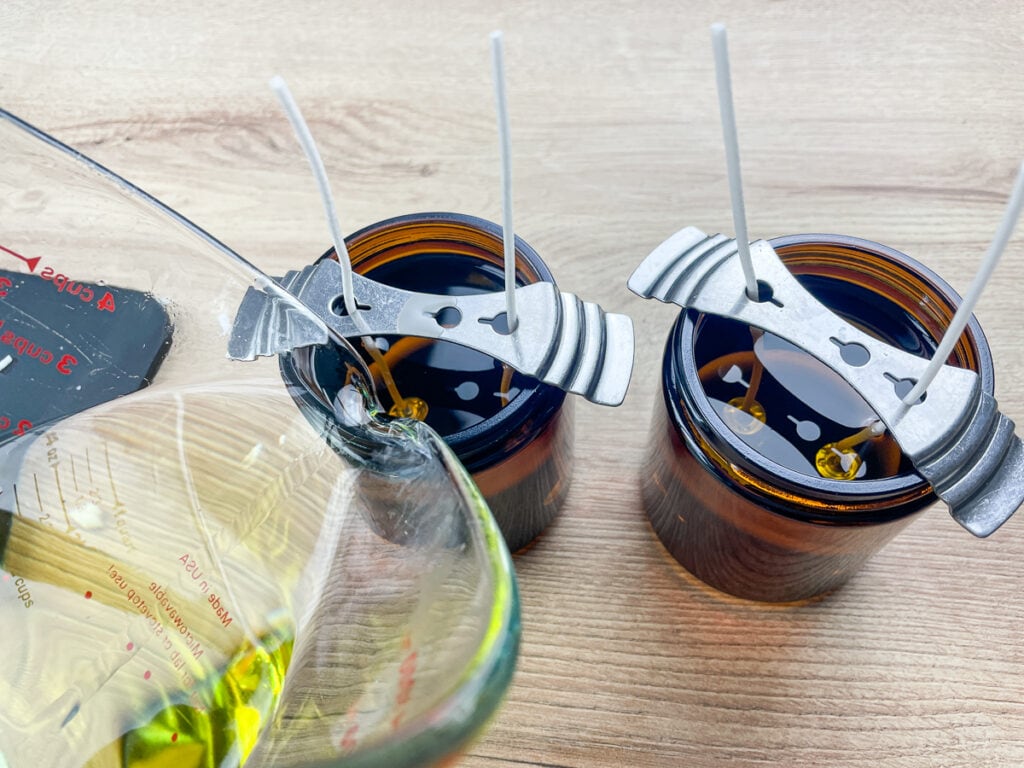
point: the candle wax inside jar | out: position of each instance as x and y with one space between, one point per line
755 403
460 387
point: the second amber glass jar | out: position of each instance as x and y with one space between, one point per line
740 502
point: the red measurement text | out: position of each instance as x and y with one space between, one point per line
21 426
26 348
66 285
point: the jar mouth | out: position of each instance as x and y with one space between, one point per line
910 307
412 252
385 241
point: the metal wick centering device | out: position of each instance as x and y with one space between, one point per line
559 339
954 434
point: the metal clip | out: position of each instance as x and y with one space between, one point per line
955 437
561 340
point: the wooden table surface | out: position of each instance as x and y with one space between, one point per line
898 122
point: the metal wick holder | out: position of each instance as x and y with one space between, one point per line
559 339
955 435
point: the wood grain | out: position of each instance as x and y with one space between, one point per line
899 122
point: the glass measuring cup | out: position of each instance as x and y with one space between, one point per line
189 574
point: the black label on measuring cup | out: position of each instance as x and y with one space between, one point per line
66 346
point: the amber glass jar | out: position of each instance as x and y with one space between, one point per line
513 433
741 502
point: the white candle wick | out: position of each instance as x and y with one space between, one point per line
508 232
732 155
305 138
966 308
